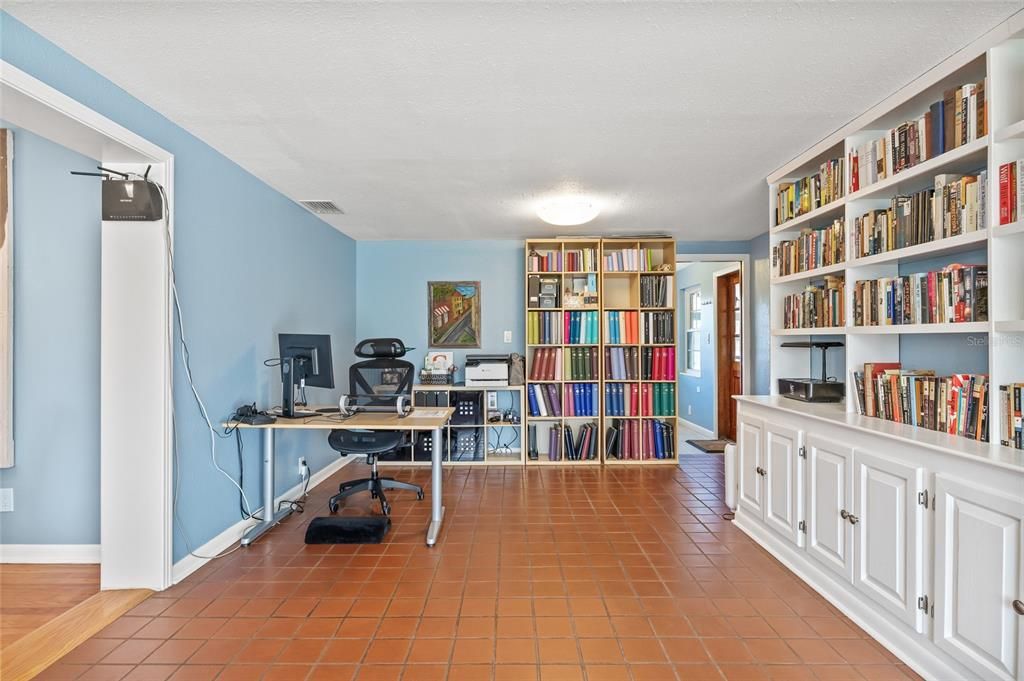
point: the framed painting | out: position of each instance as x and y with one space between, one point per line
453 314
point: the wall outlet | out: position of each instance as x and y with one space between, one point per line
508 336
698 388
492 401
689 410
6 499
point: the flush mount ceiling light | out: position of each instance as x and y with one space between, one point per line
568 210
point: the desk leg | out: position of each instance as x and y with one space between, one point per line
436 509
269 517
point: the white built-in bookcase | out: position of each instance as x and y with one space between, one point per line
999 57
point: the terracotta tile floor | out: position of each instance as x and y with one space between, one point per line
544 574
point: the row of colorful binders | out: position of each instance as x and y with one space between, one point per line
547 261
639 440
581 399
562 446
655 290
957 293
658 364
547 364
957 404
578 327
645 399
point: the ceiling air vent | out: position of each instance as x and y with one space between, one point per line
322 207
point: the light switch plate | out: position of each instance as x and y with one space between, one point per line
6 499
508 336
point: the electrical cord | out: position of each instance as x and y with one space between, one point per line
185 355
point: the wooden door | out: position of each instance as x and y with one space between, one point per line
751 462
830 492
978 575
729 349
888 535
783 482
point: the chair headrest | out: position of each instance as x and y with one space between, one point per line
381 347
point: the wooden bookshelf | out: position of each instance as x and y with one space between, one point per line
995 344
572 267
629 267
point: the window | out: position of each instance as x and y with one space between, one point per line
691 336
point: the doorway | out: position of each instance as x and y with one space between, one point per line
728 348
713 345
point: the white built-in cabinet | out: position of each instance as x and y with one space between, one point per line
978 577
923 549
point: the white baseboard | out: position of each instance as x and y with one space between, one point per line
223 541
690 425
49 553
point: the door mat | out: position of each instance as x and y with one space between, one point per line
710 446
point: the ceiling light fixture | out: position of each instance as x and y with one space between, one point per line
568 210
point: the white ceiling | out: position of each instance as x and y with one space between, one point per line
450 120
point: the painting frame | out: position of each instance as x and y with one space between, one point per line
454 314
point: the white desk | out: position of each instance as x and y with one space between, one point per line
422 418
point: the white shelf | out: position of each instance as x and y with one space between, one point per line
829 210
1016 326
1010 132
963 157
953 244
1011 229
811 274
826 331
904 329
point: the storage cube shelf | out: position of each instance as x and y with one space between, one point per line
997 342
470 438
633 280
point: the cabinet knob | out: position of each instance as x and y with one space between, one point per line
1018 607
843 514
853 519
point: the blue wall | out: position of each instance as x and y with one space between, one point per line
393 278
56 348
760 317
238 287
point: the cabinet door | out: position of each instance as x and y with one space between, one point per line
888 535
830 492
751 433
783 482
978 574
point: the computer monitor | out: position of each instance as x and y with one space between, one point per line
305 362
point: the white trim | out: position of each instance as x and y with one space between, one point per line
746 284
135 496
223 541
49 553
690 425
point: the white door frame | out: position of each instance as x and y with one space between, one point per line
745 274
136 438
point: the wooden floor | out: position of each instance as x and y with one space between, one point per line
32 595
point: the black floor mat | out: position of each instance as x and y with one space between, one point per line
348 530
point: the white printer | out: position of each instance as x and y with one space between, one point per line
484 371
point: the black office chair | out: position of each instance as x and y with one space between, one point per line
375 381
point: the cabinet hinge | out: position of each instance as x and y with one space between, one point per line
802 526
802 452
922 603
922 498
